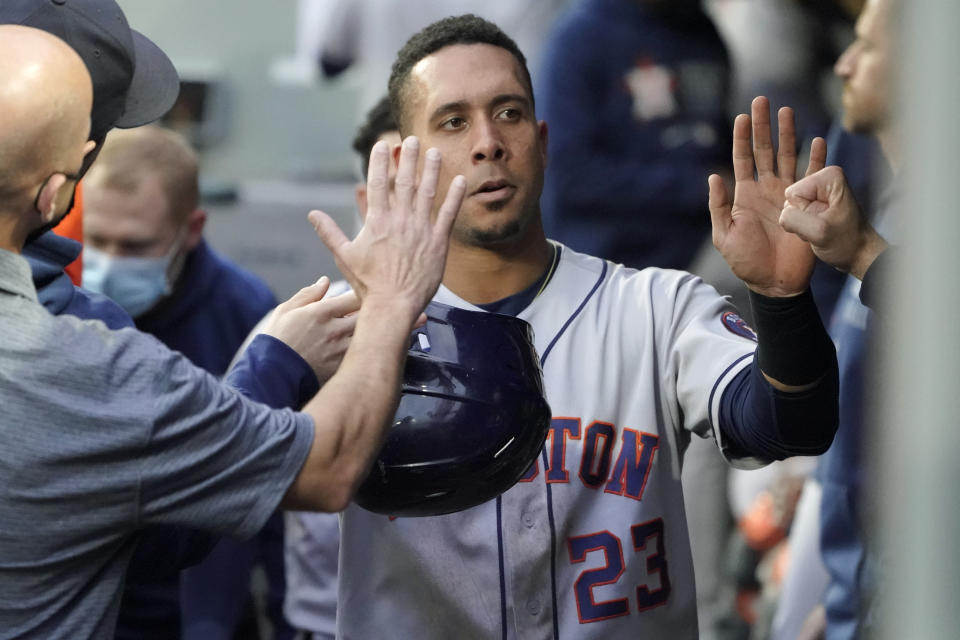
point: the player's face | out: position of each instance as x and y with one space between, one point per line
866 69
471 103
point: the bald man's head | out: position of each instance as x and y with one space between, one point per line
45 98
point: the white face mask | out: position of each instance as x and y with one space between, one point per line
136 284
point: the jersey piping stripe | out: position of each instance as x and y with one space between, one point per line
713 391
546 352
553 549
503 586
553 528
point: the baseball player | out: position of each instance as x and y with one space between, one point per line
592 543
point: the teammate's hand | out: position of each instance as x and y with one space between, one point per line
316 327
821 209
747 231
399 254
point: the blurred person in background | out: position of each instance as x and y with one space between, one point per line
143 232
867 68
144 248
867 173
636 93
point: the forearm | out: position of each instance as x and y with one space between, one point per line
759 420
794 350
352 412
786 404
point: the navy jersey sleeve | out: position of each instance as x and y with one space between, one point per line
758 420
270 372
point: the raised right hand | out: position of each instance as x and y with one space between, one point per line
745 228
400 253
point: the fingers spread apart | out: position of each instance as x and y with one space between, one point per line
719 205
406 181
762 141
753 143
786 144
378 178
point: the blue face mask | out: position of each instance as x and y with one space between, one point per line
136 284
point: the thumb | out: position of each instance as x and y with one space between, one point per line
794 220
310 293
796 199
328 231
318 289
719 205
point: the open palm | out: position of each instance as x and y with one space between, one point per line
747 232
401 250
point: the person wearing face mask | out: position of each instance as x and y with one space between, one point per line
136 283
134 83
144 248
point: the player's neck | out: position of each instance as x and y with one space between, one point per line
483 275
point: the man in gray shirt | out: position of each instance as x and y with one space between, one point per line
107 432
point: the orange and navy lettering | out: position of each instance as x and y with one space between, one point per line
597 451
629 475
630 470
557 438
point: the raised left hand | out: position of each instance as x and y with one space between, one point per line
747 231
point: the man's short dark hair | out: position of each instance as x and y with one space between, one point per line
465 29
379 121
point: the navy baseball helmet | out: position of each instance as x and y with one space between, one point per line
472 416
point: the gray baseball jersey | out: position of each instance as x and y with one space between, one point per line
593 542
